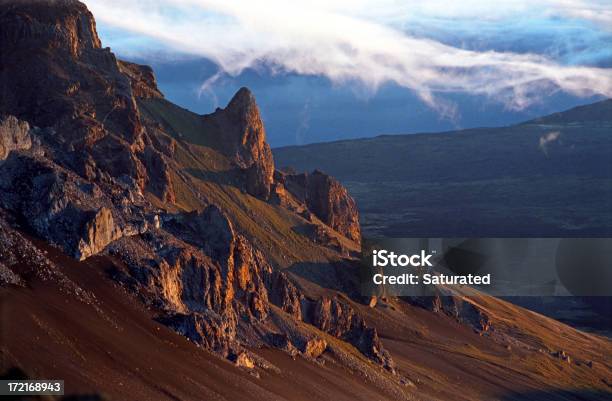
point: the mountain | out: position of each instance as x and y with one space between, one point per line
599 113
151 253
326 111
547 177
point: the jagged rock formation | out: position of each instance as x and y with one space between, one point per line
326 198
100 230
65 209
243 138
212 281
14 135
142 80
330 201
94 177
314 347
341 320
87 169
160 180
56 75
286 295
446 301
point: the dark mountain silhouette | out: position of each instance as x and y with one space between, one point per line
548 177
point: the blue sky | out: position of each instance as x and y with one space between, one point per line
324 70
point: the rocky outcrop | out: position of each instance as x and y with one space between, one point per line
56 75
242 137
94 178
240 270
99 231
327 199
209 229
339 319
208 277
159 175
14 135
219 290
459 307
142 80
66 210
285 295
74 27
163 143
314 347
243 360
330 201
214 331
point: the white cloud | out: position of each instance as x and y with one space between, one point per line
598 11
364 42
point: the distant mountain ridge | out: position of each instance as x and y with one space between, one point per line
599 112
551 172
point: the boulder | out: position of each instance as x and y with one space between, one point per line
243 360
314 347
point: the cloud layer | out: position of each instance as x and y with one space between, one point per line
369 43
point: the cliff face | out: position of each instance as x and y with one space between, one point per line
85 171
54 24
221 292
142 80
56 75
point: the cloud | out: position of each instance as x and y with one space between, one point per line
599 12
368 43
548 138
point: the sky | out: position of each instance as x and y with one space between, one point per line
333 69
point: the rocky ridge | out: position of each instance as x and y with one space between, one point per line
84 170
81 168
